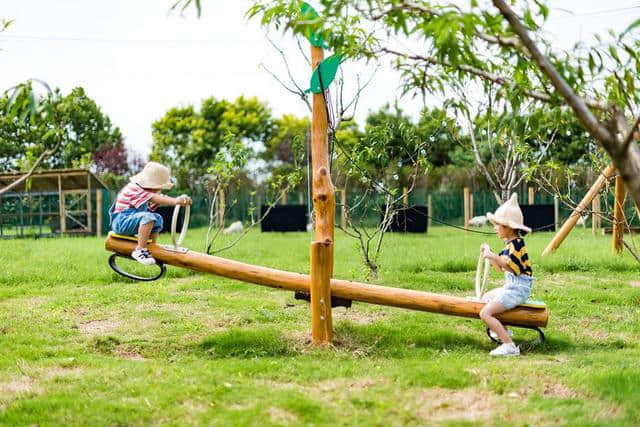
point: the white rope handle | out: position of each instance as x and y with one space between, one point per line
482 278
174 223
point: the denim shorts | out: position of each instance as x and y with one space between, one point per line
128 221
515 291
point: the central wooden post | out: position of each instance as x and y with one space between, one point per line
324 207
467 207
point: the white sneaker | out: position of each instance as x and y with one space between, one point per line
506 350
143 256
495 336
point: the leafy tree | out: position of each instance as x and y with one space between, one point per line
279 147
477 44
73 123
188 140
444 136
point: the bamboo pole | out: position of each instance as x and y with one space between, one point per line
63 219
99 212
405 197
575 215
89 207
373 294
470 207
467 205
618 216
556 212
595 214
531 195
320 290
283 197
429 210
221 208
343 208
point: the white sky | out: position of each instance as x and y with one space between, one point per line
137 60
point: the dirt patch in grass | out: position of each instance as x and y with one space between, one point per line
558 390
129 354
344 384
439 404
98 326
59 371
16 386
359 317
634 284
280 416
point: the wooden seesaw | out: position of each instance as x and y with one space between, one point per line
320 285
526 316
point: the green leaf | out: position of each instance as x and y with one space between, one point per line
614 54
327 72
634 24
310 14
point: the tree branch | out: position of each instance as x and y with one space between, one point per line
44 155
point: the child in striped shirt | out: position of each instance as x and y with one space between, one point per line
513 260
132 212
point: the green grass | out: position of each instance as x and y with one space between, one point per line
80 345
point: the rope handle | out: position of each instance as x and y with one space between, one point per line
185 224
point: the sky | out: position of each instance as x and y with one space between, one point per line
137 59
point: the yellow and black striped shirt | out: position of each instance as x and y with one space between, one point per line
516 251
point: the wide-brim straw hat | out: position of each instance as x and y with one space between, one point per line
153 176
509 214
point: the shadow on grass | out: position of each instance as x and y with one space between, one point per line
242 343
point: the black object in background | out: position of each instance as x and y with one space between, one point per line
284 218
166 212
539 217
412 219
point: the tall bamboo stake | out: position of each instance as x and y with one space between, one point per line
531 195
324 198
405 197
618 216
575 215
429 210
467 205
595 214
343 208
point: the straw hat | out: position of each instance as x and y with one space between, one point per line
154 176
509 214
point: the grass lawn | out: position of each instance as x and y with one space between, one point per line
80 345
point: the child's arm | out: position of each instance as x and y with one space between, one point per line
500 263
163 200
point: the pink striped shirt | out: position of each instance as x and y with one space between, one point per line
133 196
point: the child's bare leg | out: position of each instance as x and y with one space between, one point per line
144 230
487 315
154 237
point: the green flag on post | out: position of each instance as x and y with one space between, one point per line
326 69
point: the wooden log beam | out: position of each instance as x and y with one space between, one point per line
356 291
582 206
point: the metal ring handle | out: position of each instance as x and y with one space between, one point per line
174 223
117 269
482 277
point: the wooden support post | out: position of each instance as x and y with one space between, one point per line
343 207
470 207
63 220
89 207
320 289
595 214
405 197
531 195
99 212
221 208
618 216
429 210
556 212
575 215
467 205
